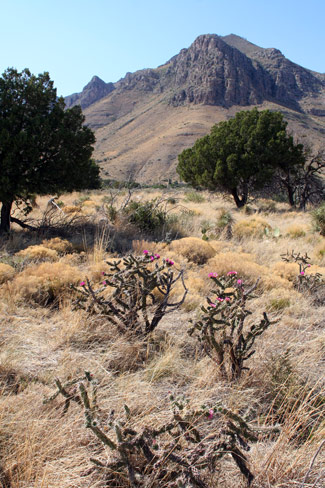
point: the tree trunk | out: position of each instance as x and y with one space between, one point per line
291 193
240 202
5 216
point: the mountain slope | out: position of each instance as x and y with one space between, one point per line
144 120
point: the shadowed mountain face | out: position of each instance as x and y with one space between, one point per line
143 121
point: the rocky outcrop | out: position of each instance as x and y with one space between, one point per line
221 71
93 91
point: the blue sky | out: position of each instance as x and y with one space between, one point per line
76 39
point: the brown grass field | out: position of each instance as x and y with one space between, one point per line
44 337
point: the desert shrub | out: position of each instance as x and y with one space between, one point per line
71 209
254 227
288 271
45 282
132 307
194 196
61 246
295 231
193 249
89 203
318 216
222 330
305 280
7 272
266 206
182 451
38 253
148 217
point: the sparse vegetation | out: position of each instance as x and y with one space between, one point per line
266 394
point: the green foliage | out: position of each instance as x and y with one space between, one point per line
147 216
140 294
222 331
194 196
180 452
44 148
318 216
240 154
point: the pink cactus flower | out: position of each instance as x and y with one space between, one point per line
213 275
103 273
169 262
212 305
220 299
157 256
145 252
211 413
152 258
230 273
302 273
239 282
227 299
308 265
82 283
104 283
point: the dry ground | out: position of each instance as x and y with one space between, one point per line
44 337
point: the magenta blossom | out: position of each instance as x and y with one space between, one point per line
239 282
169 262
302 273
103 273
145 252
211 412
220 299
231 273
104 283
152 258
227 299
308 265
212 305
213 275
157 256
82 283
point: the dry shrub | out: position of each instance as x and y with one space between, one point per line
241 262
89 203
71 209
44 283
138 246
7 272
193 249
62 246
288 271
295 231
254 227
38 253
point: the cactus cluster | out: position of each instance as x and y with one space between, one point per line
183 452
222 329
141 286
304 282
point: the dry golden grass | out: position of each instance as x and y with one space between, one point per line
7 272
193 249
38 253
254 227
40 447
44 282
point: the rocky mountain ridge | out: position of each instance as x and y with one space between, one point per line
145 119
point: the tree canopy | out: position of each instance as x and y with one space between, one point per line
43 147
241 154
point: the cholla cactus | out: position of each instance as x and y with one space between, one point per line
221 330
141 295
181 452
304 282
